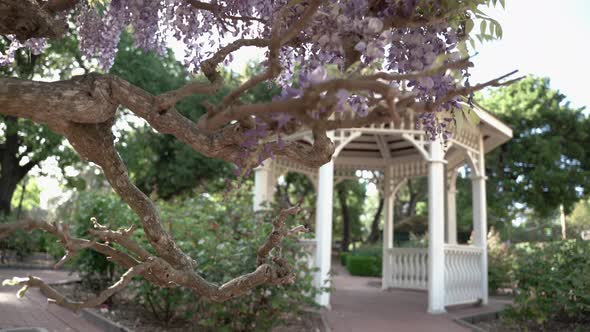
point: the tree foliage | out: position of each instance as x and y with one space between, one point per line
547 162
348 208
160 164
24 144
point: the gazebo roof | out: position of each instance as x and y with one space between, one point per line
375 147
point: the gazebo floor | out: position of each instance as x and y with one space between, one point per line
359 304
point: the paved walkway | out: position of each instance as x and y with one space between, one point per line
359 305
33 310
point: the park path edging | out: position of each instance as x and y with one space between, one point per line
470 321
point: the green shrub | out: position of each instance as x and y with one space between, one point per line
21 243
223 239
367 266
95 270
372 253
500 263
343 256
375 250
553 283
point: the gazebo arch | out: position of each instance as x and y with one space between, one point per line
452 273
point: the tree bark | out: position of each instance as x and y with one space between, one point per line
19 208
345 218
375 234
11 172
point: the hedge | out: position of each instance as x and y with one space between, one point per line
367 266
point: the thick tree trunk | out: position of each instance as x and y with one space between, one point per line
7 188
375 234
11 172
345 218
19 208
9 164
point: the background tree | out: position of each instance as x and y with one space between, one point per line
375 234
547 162
160 164
24 144
349 207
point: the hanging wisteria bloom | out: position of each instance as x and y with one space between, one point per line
310 45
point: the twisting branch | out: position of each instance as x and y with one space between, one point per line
219 11
121 237
53 296
459 64
279 231
277 40
465 91
75 244
157 270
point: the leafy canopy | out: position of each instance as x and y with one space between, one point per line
547 162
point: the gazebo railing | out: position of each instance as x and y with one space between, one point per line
463 273
409 267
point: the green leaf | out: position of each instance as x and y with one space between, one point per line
483 26
353 68
468 26
333 71
499 31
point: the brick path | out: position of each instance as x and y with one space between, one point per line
33 310
358 305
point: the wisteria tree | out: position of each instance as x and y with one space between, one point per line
375 58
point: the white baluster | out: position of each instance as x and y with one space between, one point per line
395 268
412 269
452 276
405 270
424 269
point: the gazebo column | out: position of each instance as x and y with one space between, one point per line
323 230
263 185
388 205
451 224
480 218
436 232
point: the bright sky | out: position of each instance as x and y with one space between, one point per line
544 38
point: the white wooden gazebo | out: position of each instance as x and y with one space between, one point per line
452 274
